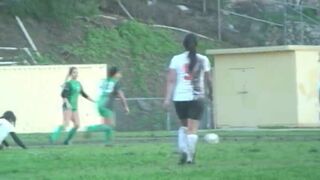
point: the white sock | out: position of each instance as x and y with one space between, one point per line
182 139
192 143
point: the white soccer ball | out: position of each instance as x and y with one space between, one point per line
211 138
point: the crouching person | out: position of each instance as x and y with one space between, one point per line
7 123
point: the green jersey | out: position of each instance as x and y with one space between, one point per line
71 91
108 92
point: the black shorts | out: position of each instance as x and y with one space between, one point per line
190 109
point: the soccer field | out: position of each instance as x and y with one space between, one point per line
286 155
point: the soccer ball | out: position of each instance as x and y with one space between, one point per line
211 138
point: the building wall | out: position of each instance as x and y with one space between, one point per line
33 93
308 70
255 89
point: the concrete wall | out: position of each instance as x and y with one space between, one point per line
33 93
259 86
308 70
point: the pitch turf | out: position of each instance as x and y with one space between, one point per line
230 159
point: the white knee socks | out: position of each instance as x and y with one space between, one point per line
182 139
192 142
187 142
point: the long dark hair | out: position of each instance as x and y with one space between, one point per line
71 69
190 44
112 71
9 116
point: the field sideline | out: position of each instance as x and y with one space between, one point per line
240 155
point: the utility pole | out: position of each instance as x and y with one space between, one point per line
302 24
219 20
204 6
285 30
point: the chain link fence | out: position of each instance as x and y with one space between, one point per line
148 114
264 23
242 23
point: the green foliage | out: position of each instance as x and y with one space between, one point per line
141 51
133 46
310 12
45 59
59 10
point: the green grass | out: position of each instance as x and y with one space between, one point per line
225 135
251 159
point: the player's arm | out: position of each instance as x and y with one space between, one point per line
170 84
65 94
85 95
17 140
123 100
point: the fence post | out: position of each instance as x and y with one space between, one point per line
219 20
302 25
209 116
204 6
168 123
285 41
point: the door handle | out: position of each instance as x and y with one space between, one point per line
243 92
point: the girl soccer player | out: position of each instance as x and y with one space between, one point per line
7 122
71 91
188 73
109 90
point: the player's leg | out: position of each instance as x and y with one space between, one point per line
108 132
106 126
192 139
195 114
182 132
76 124
108 122
106 129
58 130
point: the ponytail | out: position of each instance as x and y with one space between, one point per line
190 44
193 59
71 69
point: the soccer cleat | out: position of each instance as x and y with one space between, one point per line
66 143
183 158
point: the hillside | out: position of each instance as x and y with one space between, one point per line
67 34
243 23
72 32
142 52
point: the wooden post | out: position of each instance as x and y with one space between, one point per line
204 6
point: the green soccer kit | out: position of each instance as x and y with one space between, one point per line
108 92
71 91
